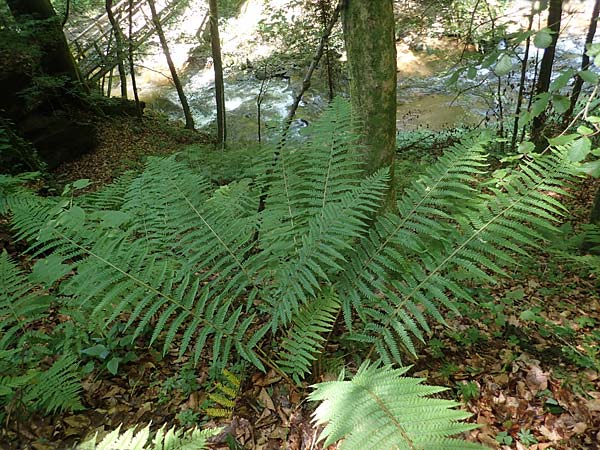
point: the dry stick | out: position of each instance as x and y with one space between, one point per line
313 65
297 98
522 82
118 46
585 60
138 109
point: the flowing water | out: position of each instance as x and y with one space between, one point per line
424 98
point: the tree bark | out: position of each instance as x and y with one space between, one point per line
118 47
543 83
587 245
371 48
56 56
313 65
585 61
131 62
215 43
522 80
189 120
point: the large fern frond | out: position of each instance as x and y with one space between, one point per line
56 389
19 303
304 340
379 408
171 439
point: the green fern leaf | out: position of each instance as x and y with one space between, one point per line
379 408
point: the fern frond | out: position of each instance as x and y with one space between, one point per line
306 179
19 303
322 252
225 396
305 338
418 268
13 193
379 408
56 389
171 439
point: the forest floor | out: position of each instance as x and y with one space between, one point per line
524 359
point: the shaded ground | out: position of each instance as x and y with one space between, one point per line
525 360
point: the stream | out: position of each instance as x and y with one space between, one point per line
424 99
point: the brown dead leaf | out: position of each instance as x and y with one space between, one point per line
551 435
536 379
266 400
593 404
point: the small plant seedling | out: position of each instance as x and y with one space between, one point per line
526 438
468 390
504 438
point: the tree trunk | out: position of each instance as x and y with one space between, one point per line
585 61
543 83
189 120
56 56
131 62
522 79
118 47
587 245
215 43
371 47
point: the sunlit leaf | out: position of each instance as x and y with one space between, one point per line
543 38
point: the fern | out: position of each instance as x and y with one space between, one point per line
475 243
305 338
171 439
225 396
379 408
58 388
213 273
19 304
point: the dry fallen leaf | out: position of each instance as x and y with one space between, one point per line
536 379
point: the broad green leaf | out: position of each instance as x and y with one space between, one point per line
540 104
584 131
562 80
580 149
563 140
471 73
593 50
543 38
589 76
72 218
526 147
46 271
591 168
98 351
561 103
524 118
113 365
503 66
113 219
80 184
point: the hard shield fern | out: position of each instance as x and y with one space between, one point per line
380 409
211 270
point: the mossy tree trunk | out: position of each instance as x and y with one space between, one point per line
189 120
215 42
371 48
56 56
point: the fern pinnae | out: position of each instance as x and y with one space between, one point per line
464 256
216 235
305 339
